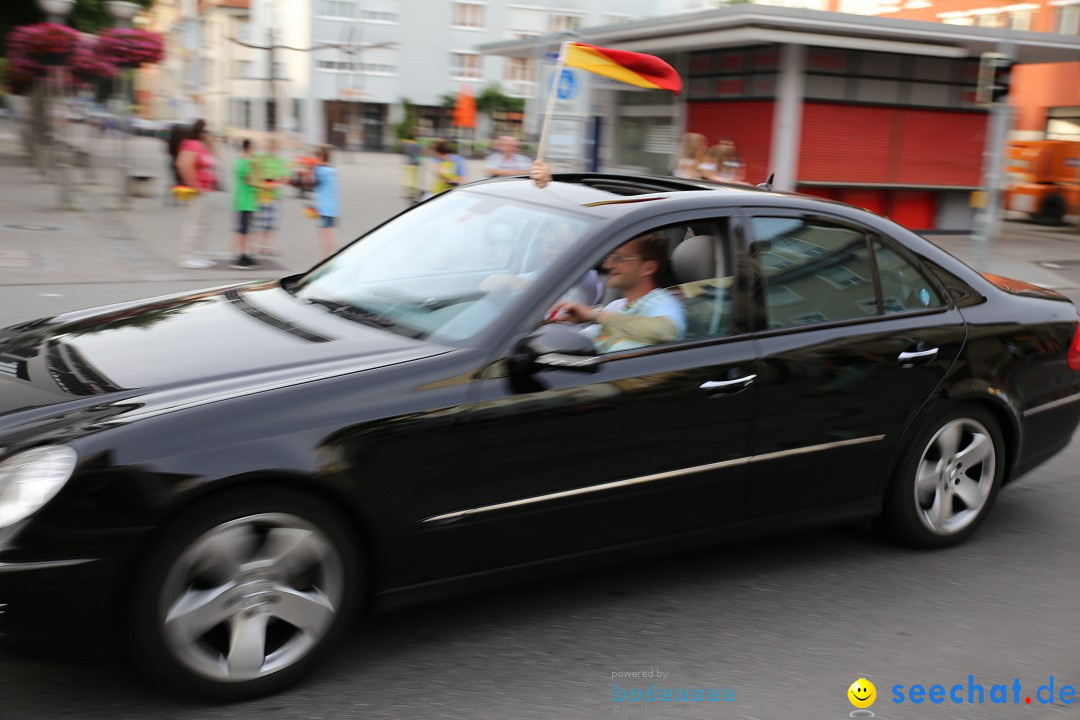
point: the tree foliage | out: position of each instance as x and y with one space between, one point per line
493 99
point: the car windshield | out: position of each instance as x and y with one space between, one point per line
444 270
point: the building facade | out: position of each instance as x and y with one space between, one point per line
876 112
352 63
1045 98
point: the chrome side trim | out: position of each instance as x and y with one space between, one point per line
1052 404
816 448
460 514
17 567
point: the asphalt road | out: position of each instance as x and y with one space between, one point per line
787 623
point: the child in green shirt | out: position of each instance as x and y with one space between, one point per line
245 202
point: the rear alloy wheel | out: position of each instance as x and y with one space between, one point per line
949 481
245 595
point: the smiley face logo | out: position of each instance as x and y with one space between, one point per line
862 693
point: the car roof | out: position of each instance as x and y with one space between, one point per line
606 195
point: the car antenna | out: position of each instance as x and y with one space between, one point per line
767 185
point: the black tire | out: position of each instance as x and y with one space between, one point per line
910 513
318 570
1052 209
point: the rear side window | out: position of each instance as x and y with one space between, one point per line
814 272
903 287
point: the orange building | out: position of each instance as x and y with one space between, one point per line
1045 97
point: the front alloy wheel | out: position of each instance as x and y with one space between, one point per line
244 595
251 597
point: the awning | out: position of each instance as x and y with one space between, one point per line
749 24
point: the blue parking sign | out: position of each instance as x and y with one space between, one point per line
568 85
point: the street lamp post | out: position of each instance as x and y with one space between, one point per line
57 11
122 13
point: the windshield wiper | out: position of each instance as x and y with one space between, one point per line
351 312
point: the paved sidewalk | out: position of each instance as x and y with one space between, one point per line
40 245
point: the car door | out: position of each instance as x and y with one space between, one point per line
652 443
853 337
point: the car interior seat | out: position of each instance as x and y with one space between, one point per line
703 294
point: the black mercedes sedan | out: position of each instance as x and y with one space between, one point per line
502 382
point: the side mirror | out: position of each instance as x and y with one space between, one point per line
560 346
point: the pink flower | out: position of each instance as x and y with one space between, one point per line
131 47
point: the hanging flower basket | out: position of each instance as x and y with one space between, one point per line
43 43
89 65
130 48
20 75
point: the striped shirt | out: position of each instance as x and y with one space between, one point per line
621 332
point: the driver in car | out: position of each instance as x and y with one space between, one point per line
645 315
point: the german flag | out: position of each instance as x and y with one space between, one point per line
638 69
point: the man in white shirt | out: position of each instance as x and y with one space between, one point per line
506 160
645 315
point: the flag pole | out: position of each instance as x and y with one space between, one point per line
552 95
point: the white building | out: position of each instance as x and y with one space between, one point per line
368 55
341 68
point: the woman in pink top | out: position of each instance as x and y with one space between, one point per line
198 169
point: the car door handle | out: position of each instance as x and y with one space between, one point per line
919 356
730 384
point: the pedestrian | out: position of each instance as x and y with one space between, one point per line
411 187
691 155
272 172
177 135
506 160
245 202
197 168
726 164
447 167
326 199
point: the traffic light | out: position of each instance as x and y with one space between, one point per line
995 73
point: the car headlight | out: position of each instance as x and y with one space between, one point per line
31 478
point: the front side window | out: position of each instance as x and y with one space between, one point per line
447 269
663 286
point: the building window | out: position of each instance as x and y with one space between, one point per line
1069 20
244 111
517 70
337 8
379 17
271 115
561 22
465 66
298 115
468 15
365 68
1020 20
991 20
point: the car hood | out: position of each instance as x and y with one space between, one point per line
185 346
